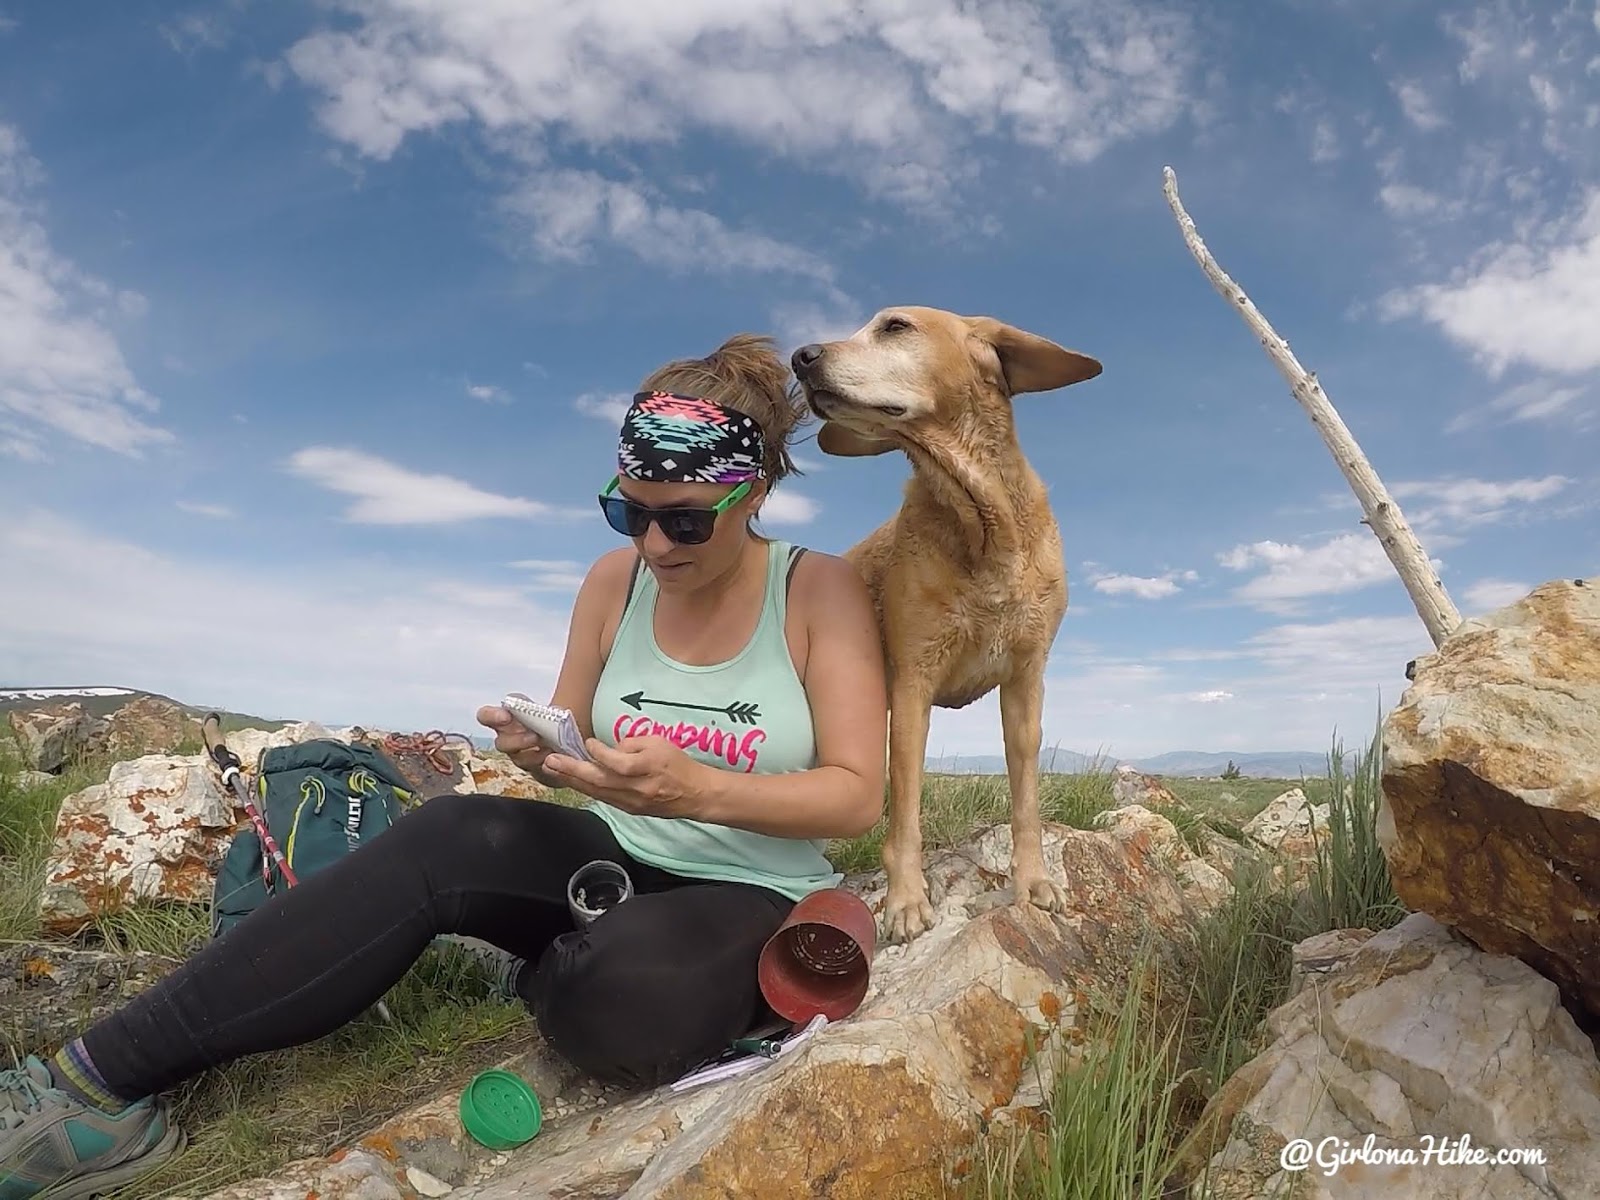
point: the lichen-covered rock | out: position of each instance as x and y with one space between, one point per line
1491 785
155 830
1129 785
149 725
51 737
1291 826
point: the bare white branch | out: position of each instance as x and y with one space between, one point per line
1382 514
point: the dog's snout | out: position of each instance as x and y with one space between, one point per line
805 356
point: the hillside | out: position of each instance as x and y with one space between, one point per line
102 701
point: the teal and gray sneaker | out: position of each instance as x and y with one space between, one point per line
55 1147
503 967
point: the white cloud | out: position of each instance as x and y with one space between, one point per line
1345 563
1144 587
567 211
61 369
489 393
605 406
552 575
1287 687
1534 300
1533 400
364 646
200 509
1418 106
1324 141
798 323
1408 200
788 507
21 444
387 494
195 30
1488 594
1353 652
1467 502
7 24
884 90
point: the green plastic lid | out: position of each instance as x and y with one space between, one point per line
500 1110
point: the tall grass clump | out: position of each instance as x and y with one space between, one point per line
1114 1115
1350 885
1119 1112
28 811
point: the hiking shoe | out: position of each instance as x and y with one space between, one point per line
503 966
52 1145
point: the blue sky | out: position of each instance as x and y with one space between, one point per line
314 319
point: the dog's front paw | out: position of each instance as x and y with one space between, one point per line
1041 891
907 912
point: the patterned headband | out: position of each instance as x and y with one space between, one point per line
684 439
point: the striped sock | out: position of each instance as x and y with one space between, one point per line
74 1073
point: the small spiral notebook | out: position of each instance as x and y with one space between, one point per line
555 726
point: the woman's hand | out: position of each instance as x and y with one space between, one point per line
518 743
647 775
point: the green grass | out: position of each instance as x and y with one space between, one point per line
953 806
1114 1116
1118 1112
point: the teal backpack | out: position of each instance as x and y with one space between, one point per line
320 800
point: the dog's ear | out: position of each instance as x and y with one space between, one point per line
840 442
1032 363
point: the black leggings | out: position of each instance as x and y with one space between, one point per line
649 990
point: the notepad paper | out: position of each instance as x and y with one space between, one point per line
555 726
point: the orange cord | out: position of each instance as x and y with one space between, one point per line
430 745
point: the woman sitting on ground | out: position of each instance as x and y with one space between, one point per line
721 821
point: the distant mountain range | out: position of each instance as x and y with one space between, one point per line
1273 764
1287 764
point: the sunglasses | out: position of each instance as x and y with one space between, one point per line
684 526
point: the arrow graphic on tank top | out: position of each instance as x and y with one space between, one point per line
745 712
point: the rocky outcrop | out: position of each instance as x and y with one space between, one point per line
51 738
157 828
54 735
1491 785
887 1102
1291 825
1399 1043
1129 785
149 725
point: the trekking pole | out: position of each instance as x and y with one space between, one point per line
228 761
233 777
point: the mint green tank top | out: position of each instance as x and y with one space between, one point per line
748 713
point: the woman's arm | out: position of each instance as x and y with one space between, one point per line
583 661
846 685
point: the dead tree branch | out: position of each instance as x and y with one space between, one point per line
1383 515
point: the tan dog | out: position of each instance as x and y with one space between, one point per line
968 577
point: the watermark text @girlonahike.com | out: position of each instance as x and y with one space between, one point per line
1331 1153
